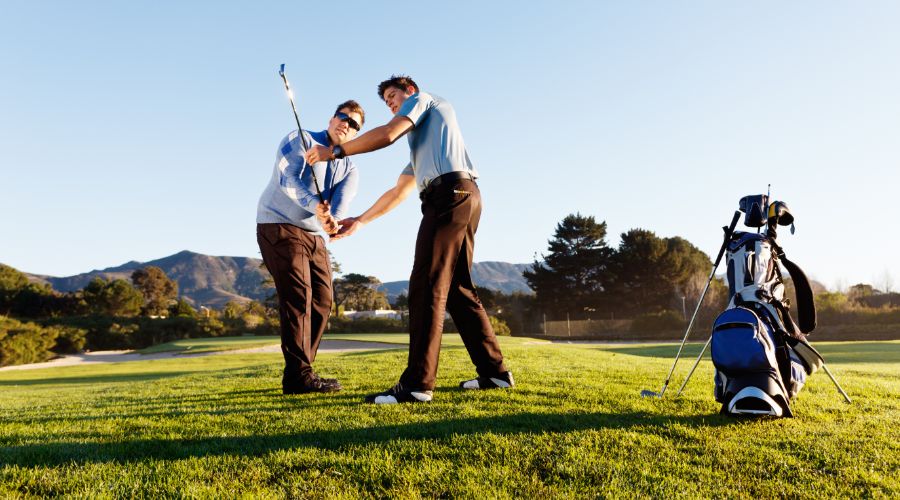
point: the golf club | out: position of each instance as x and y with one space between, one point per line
728 232
290 94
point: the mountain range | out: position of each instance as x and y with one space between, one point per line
214 281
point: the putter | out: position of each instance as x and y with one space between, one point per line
646 393
290 94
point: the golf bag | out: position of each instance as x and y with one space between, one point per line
760 354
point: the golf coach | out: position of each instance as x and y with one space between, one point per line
294 219
441 279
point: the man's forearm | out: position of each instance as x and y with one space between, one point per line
372 140
383 205
378 137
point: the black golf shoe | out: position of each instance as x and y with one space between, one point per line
399 394
311 383
502 381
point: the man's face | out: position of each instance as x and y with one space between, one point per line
340 128
395 97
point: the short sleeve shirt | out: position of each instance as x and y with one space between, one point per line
436 145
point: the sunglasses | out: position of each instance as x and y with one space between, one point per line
344 117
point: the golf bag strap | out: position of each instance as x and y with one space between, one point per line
789 325
806 307
783 357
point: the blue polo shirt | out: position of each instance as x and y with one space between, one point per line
436 145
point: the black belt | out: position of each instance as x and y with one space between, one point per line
437 181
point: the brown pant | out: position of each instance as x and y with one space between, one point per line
299 264
441 279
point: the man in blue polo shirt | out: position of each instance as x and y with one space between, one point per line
294 222
441 280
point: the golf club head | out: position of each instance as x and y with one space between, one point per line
649 394
281 71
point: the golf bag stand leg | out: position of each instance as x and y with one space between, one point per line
728 232
702 352
836 384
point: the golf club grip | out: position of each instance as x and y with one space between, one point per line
728 233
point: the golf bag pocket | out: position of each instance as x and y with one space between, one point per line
742 343
747 379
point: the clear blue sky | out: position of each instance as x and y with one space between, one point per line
133 130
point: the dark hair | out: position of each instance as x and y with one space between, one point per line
354 107
397 82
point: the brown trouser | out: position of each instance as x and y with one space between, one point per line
441 279
299 264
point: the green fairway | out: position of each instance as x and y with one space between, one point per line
574 426
218 344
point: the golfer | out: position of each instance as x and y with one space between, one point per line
451 207
293 226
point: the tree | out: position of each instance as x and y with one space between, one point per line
655 273
159 291
577 271
858 292
182 309
402 302
232 310
112 298
11 281
358 292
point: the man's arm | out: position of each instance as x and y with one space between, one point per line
391 198
290 165
343 193
377 138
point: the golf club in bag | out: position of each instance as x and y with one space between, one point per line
728 231
761 355
290 94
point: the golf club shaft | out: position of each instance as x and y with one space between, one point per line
702 351
728 232
836 384
287 88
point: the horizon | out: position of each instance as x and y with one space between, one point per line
136 130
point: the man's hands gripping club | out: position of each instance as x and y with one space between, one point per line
329 223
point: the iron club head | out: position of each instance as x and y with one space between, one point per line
281 70
649 394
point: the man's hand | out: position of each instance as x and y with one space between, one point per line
329 223
348 226
318 153
323 210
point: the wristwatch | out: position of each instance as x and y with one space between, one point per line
338 152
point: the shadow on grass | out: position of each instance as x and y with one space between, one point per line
60 453
98 379
247 371
836 352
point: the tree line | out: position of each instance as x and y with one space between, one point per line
37 322
582 276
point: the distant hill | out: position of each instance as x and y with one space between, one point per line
202 279
213 281
500 276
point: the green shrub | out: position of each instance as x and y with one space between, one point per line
499 326
657 322
71 340
22 342
367 325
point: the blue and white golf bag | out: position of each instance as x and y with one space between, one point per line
761 356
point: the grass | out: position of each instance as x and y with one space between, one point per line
573 427
218 344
